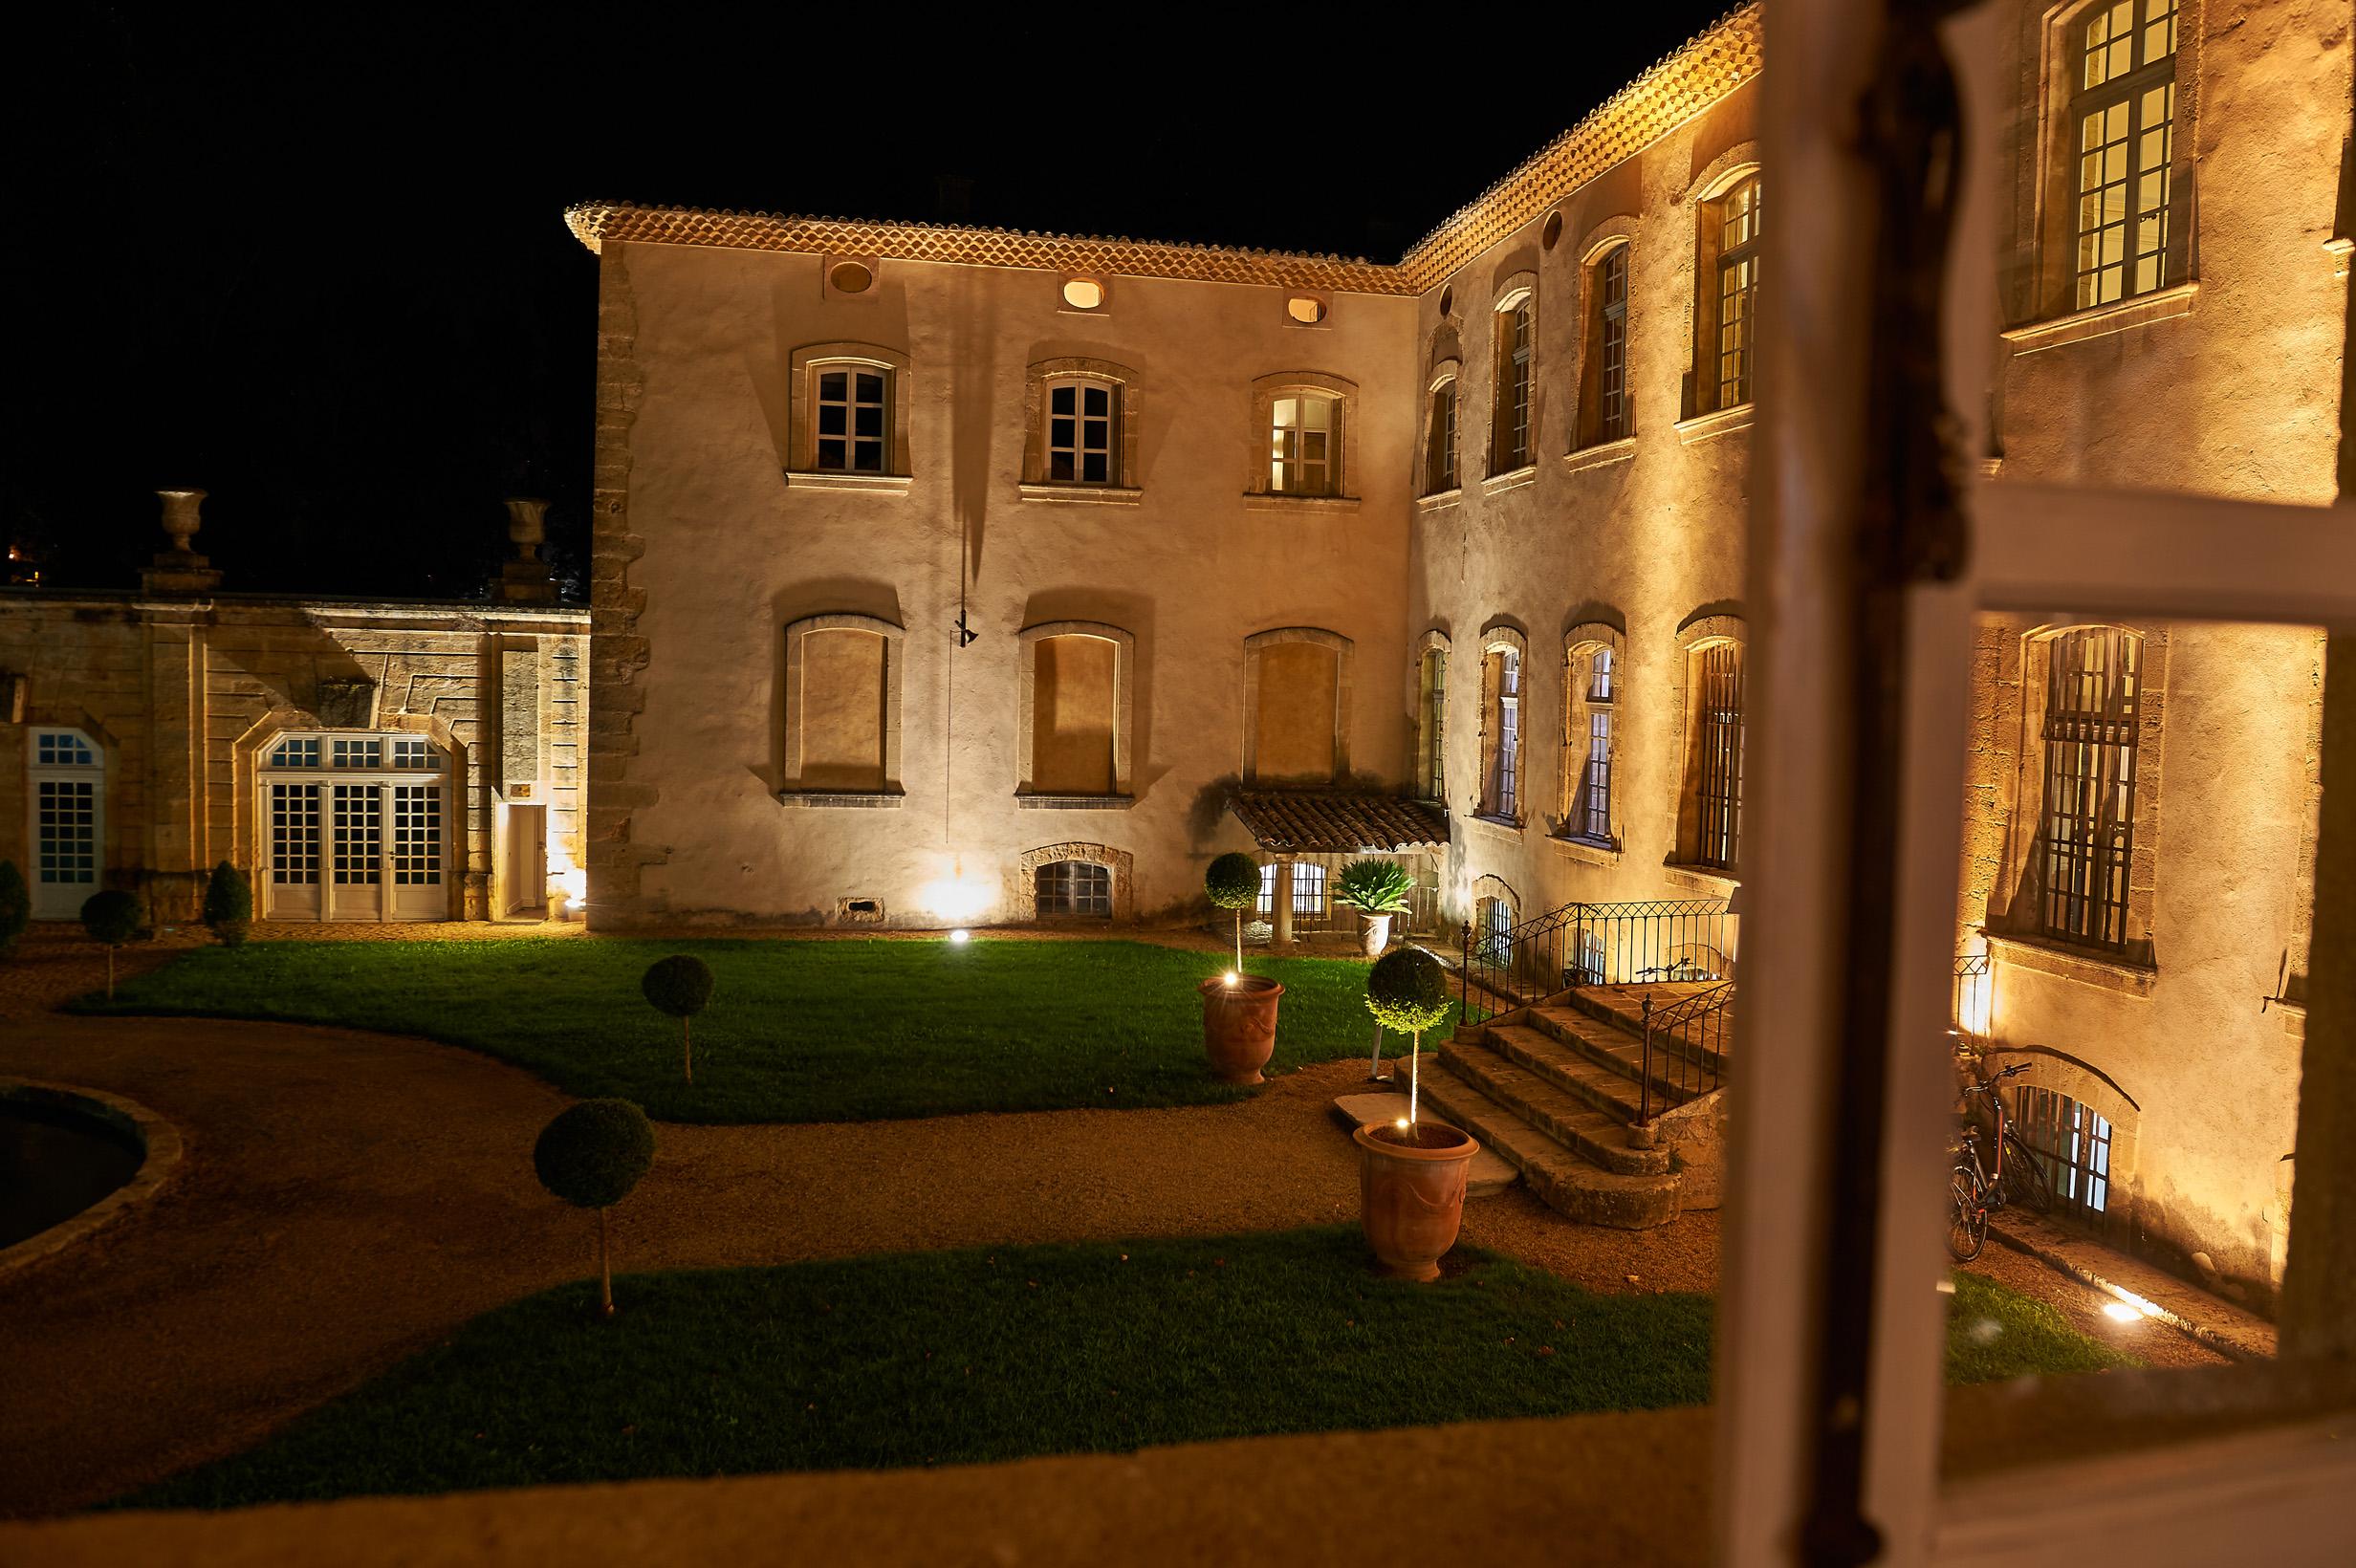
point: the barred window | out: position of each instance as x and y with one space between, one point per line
1074 887
1738 217
1434 748
1081 416
1308 888
1720 741
2072 1143
1516 343
2093 691
2125 115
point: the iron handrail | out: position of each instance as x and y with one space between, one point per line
1700 1022
1609 942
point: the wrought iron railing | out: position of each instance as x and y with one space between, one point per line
1627 942
1973 988
1684 1045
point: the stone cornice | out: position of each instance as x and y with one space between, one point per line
1687 81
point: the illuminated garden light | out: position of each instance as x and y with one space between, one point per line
2120 1312
959 937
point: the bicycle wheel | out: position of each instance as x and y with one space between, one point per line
2024 1177
1967 1214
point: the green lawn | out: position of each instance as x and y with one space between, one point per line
970 1356
797 1031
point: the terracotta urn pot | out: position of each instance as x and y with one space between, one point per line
1374 934
1240 1025
1411 1194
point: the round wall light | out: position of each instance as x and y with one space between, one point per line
1306 309
850 277
1083 294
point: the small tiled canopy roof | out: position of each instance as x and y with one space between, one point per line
1336 821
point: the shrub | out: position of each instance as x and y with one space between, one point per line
16 907
1233 883
111 918
229 905
680 986
1375 887
590 1156
1408 991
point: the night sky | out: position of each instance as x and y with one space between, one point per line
324 274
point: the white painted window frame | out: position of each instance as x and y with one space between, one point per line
39 773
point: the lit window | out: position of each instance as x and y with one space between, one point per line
1074 887
1083 294
1587 728
2125 115
1302 444
852 424
1718 742
2072 1143
1501 778
1081 416
2093 688
1306 309
1612 345
1308 889
1433 750
1738 218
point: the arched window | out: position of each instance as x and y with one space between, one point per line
1308 889
1077 684
1296 686
1512 436
1727 375
843 681
1440 438
2071 1141
1501 737
1073 889
1082 445
1605 410
1590 713
67 777
849 416
1712 713
1432 723
355 827
2123 125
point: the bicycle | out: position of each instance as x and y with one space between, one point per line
1974 1191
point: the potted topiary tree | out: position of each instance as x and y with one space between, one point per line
591 1156
113 918
1239 1010
1378 890
680 986
1412 1173
16 907
229 905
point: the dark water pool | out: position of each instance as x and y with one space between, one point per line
56 1160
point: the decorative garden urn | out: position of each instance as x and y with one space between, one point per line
1411 1194
1240 1025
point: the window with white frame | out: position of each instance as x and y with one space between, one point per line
1516 333
355 827
66 776
1304 445
1082 432
1501 762
1308 888
1608 412
1731 234
851 432
1590 709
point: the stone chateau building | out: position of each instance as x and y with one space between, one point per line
947 577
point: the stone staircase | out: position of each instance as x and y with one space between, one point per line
1556 1089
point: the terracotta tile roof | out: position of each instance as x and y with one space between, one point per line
1338 822
1720 59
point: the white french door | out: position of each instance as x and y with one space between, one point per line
355 829
67 781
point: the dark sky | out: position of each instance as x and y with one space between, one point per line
322 272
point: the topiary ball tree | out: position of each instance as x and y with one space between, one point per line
1233 883
1408 991
680 986
591 1156
229 905
16 907
113 918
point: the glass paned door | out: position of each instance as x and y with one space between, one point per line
355 828
68 789
291 890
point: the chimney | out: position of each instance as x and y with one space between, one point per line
180 570
525 579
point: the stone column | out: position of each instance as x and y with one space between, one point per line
1283 913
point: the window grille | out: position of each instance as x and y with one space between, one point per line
1443 457
294 834
296 751
63 749
851 420
1302 444
2125 118
1308 888
359 812
1738 256
1079 433
417 834
1435 725
1505 766
1514 343
1721 757
2093 687
2072 1143
1074 887
1611 285
413 753
365 751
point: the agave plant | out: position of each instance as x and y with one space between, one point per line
1375 887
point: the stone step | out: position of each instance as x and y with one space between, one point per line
1597 1137
1608 1088
1564 1182
1614 1051
1623 1008
1490 1172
